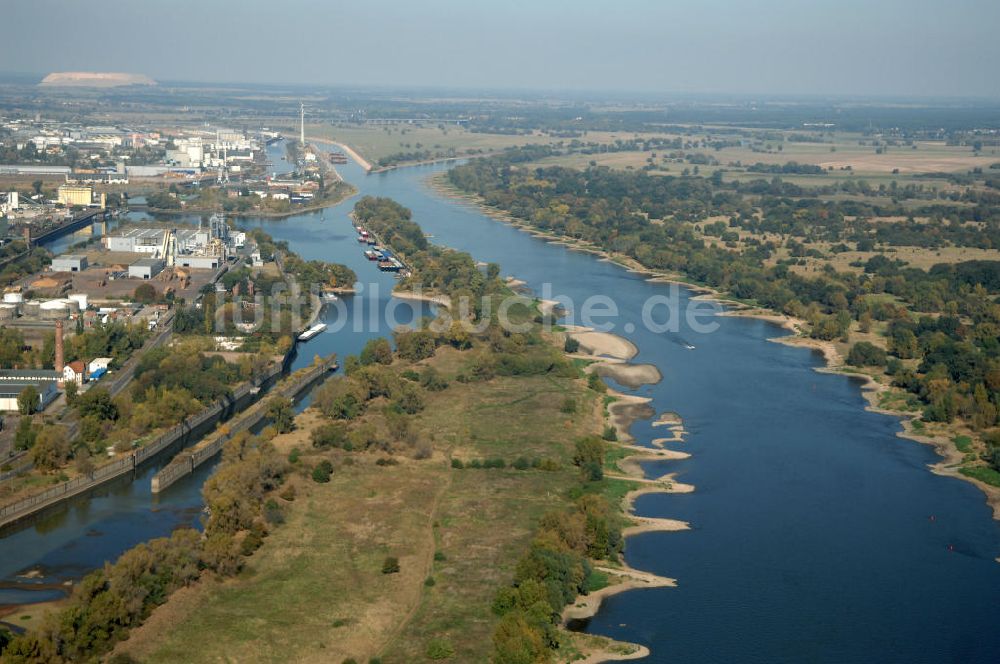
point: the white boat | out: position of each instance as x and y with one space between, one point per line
328 296
312 331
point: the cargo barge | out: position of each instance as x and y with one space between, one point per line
312 331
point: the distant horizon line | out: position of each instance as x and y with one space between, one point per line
509 91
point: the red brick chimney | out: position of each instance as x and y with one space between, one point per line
59 352
27 235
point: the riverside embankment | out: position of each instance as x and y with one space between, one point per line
187 462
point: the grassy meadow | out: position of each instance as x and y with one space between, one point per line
315 591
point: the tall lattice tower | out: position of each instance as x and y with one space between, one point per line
302 124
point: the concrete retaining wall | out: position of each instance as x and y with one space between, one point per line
185 462
180 433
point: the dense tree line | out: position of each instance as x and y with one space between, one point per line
557 566
17 262
654 220
109 602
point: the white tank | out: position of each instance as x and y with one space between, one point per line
13 298
80 299
52 304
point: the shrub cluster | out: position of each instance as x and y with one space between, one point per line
554 571
110 601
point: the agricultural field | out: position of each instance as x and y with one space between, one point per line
848 261
839 152
377 143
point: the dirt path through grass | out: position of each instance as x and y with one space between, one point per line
428 567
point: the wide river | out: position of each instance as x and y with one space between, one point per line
817 534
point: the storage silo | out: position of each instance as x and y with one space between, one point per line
53 310
80 299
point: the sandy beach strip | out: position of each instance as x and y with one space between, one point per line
547 307
630 375
643 524
604 344
440 300
668 419
665 484
586 606
678 437
631 464
626 409
604 655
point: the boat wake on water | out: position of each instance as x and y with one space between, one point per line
681 341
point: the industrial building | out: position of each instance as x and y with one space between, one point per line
83 195
33 169
24 376
69 263
98 177
151 240
13 382
10 390
99 364
184 247
9 201
188 152
146 268
198 261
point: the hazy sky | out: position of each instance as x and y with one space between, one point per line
866 47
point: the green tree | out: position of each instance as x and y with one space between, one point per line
27 400
24 435
333 434
281 413
71 390
51 448
865 354
11 345
458 336
376 351
517 642
144 293
322 472
83 461
415 345
903 344
589 450
96 402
